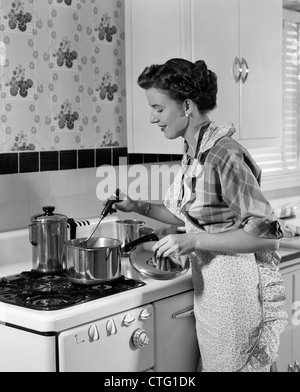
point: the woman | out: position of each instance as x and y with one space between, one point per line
231 235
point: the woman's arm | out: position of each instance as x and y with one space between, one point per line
154 211
158 212
227 242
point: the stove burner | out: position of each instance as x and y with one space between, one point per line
54 291
101 287
9 297
51 283
50 301
6 289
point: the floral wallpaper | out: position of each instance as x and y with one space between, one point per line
62 74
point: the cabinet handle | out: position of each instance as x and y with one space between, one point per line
246 69
274 368
184 313
237 65
290 368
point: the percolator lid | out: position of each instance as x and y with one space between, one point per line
48 215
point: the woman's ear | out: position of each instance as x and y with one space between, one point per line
188 107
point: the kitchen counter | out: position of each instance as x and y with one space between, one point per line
289 256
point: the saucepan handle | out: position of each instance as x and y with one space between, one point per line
146 238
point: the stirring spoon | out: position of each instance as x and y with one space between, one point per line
105 211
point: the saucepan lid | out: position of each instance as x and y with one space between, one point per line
143 259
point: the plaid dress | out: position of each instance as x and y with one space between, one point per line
239 299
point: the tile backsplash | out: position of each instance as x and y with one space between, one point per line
73 192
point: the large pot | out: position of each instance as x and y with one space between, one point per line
95 265
47 234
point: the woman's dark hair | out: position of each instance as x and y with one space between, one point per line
182 80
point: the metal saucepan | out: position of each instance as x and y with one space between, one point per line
129 230
93 265
97 264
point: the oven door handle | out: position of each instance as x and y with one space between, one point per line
189 311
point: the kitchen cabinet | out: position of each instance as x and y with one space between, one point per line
155 32
289 349
176 351
241 41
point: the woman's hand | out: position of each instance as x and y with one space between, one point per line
170 263
163 263
175 245
154 211
126 204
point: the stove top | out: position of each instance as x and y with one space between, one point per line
33 290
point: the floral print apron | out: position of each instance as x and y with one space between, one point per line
239 301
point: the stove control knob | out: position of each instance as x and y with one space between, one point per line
93 333
140 338
128 320
145 315
111 327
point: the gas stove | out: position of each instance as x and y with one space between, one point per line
50 324
48 292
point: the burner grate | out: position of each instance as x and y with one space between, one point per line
33 290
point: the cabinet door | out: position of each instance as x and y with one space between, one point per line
296 345
296 318
176 346
155 33
285 351
215 39
289 349
286 338
235 35
288 285
261 47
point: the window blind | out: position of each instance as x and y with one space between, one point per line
286 158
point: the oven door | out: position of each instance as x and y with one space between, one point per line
176 346
119 343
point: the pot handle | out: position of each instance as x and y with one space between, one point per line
149 237
33 234
72 225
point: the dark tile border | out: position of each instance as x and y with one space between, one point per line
29 162
68 160
103 157
135 159
49 160
119 156
86 158
33 161
9 163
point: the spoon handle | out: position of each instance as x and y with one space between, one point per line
95 228
105 211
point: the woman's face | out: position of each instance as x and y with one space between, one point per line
167 114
